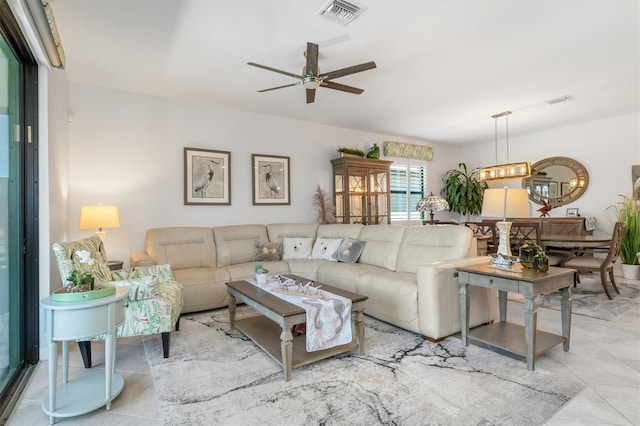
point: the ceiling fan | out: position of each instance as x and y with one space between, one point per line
311 77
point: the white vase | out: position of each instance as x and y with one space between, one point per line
630 272
261 279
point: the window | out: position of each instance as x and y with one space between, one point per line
408 186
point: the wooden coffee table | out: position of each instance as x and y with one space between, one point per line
271 329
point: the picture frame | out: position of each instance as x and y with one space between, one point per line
572 212
207 177
270 180
564 188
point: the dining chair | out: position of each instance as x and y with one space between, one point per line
488 229
155 298
522 232
602 264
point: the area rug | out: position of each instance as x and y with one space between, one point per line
590 300
218 376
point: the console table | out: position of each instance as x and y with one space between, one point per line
524 341
67 321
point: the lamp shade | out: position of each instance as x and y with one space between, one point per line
505 202
432 203
92 217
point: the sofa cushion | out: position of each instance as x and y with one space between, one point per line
425 244
243 271
383 242
343 275
266 250
296 247
393 297
349 250
324 248
236 243
278 231
339 230
305 268
182 247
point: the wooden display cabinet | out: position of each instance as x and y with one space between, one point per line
361 189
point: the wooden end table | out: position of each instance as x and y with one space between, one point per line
526 341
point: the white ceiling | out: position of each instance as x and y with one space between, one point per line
443 66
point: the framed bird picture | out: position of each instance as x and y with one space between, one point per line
271 183
207 177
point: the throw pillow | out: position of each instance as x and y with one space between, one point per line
139 288
349 250
267 251
325 247
296 248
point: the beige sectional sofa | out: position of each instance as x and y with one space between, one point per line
408 272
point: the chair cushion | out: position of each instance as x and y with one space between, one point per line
67 259
139 288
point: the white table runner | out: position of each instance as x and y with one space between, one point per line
328 319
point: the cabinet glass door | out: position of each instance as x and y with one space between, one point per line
358 194
379 191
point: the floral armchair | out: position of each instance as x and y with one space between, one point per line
154 302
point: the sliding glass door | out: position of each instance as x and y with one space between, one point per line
10 182
18 212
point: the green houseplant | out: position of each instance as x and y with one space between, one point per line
628 211
463 190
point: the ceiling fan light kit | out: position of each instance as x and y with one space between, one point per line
311 77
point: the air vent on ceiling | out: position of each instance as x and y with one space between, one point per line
341 11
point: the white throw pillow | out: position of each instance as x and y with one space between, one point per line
296 248
325 247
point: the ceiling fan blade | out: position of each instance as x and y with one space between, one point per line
349 70
312 59
341 87
253 64
311 95
279 87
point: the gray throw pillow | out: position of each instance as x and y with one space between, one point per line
349 250
267 251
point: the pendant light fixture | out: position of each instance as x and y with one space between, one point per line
504 171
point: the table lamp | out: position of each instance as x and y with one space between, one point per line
100 217
432 203
503 203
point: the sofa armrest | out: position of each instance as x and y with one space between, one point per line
439 298
141 258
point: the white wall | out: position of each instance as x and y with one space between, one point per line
126 149
607 148
57 172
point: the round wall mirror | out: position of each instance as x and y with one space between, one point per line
556 181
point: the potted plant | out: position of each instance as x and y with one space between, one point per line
261 273
463 190
350 151
628 211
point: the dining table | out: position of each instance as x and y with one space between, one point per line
576 242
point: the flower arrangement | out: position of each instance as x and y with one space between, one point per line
260 269
81 276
